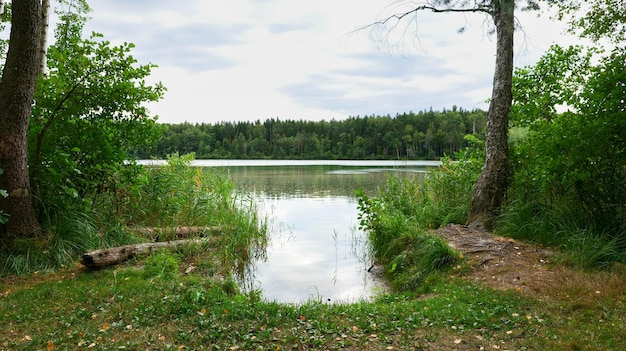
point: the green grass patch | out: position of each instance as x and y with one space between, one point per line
128 308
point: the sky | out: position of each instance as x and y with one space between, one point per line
247 60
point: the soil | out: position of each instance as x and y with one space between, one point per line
504 263
499 262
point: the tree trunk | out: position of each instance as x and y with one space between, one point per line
111 256
45 12
17 89
490 189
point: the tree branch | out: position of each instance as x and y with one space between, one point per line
427 7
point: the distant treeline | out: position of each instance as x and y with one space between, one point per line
423 135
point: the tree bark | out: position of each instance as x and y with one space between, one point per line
490 189
45 15
17 89
108 257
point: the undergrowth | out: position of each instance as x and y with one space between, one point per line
581 243
397 220
172 195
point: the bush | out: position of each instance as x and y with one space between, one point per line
398 219
569 184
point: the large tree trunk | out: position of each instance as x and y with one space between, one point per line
490 189
17 89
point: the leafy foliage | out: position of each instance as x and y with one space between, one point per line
574 160
595 19
89 113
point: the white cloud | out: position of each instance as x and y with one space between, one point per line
257 59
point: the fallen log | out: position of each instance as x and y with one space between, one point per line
114 255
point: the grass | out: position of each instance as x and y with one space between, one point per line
398 220
582 244
147 304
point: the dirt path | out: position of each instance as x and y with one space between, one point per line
500 262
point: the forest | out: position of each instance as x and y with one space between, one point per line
426 134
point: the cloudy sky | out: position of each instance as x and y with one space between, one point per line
235 60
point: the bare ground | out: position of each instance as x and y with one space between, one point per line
499 262
504 263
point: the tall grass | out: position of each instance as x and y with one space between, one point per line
398 219
581 243
175 194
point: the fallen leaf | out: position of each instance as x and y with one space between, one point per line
26 338
105 327
458 341
50 346
202 312
190 269
355 329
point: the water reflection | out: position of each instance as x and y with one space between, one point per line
315 250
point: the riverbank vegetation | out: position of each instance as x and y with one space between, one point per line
569 178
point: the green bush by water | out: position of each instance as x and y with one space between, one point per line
397 220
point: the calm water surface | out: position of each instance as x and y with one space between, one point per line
315 249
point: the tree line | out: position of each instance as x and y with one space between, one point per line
426 134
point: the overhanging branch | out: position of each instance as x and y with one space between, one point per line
427 7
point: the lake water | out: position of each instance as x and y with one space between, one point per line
315 249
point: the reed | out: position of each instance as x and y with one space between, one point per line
175 194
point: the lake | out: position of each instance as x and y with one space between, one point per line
315 249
